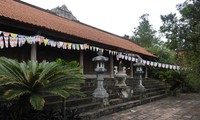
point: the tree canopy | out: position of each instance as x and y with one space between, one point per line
144 34
183 34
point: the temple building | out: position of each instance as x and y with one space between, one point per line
29 32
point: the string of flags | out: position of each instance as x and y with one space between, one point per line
8 39
150 63
15 40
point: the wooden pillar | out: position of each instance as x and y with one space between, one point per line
146 72
131 69
34 52
111 67
81 60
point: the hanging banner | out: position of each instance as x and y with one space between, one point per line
81 47
133 59
1 42
167 66
60 44
174 67
11 39
155 64
148 62
129 58
122 56
144 61
159 65
6 38
170 66
46 42
163 65
178 67
86 46
126 57
22 40
152 63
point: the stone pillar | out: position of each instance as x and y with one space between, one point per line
111 67
81 60
146 72
131 69
139 87
34 52
100 91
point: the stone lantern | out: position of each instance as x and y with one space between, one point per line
120 75
100 91
139 88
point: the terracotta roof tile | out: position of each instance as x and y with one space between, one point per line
27 14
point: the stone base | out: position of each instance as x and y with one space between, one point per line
140 88
100 93
103 102
121 85
123 91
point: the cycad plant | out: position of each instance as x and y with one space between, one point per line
28 82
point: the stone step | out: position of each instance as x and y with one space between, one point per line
113 98
92 88
119 107
116 101
85 107
89 87
128 81
54 99
78 101
90 106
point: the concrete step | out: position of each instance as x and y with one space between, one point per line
86 107
119 107
116 101
90 109
54 99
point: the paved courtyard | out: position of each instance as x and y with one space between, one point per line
184 107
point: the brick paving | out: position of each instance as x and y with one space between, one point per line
183 107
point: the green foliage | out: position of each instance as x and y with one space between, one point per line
30 81
164 54
184 34
144 34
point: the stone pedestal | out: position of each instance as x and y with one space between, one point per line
120 79
100 91
123 91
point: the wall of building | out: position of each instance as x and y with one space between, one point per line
18 53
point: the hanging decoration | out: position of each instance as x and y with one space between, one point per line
13 40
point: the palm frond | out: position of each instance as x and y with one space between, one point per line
61 92
11 94
34 79
10 69
37 101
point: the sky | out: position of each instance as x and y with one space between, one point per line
119 17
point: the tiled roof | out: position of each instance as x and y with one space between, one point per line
30 15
